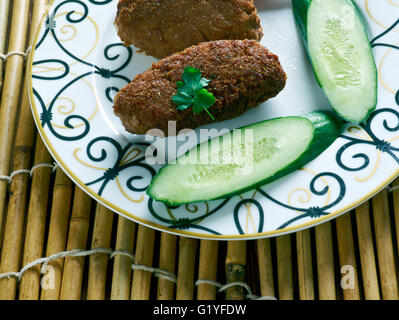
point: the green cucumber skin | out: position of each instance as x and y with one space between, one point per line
327 128
300 9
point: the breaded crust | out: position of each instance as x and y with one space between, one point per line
243 74
163 27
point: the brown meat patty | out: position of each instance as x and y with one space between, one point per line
163 27
243 74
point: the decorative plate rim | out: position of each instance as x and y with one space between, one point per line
250 236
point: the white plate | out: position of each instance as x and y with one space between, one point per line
78 64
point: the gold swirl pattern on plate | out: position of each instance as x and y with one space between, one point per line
46 69
373 171
90 118
64 29
374 18
359 132
195 209
170 213
135 151
191 208
384 84
141 199
131 156
307 193
249 217
63 109
75 155
362 134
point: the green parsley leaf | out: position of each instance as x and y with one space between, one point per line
192 79
183 99
191 92
203 100
180 85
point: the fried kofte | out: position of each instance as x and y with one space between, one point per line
163 27
241 73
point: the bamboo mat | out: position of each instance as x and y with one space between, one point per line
42 214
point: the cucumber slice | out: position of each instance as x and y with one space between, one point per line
339 49
245 158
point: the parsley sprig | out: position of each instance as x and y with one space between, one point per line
192 92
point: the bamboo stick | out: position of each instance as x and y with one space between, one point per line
305 267
4 13
72 277
207 269
122 272
395 196
385 252
167 261
10 94
284 268
236 259
366 250
141 282
98 262
36 223
57 238
347 257
252 268
325 262
265 268
23 148
13 234
186 269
